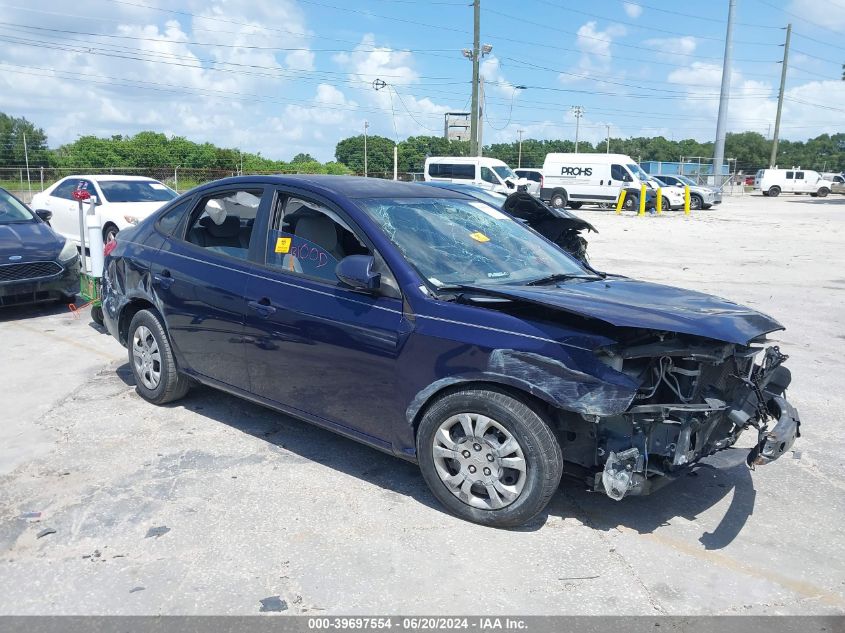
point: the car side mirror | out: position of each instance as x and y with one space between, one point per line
44 214
356 271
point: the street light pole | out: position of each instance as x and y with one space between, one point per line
476 57
780 97
607 125
724 98
519 161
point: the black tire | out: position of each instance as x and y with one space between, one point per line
575 205
631 203
110 232
822 193
559 199
696 202
541 451
666 205
774 192
172 385
97 314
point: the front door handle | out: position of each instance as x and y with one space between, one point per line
164 279
263 307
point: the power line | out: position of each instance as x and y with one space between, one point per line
799 17
557 29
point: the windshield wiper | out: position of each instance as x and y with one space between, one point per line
550 279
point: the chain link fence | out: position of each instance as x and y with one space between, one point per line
24 183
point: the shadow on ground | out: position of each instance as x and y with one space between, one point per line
693 493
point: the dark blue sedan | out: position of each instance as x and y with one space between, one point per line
36 264
432 326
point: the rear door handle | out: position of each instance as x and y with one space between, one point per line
164 279
263 307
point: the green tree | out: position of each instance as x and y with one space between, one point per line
350 152
12 132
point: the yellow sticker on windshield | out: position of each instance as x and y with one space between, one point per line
479 237
282 244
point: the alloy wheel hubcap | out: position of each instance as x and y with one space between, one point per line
479 461
146 357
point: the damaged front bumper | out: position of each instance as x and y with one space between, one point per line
651 444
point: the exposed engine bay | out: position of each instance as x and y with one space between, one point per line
694 398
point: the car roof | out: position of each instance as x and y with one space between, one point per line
110 177
347 186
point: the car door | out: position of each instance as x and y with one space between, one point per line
199 276
315 346
59 202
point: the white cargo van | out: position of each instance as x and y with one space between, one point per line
773 182
573 179
488 173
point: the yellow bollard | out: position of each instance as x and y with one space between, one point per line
686 199
620 202
659 201
642 200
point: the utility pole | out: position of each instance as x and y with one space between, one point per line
366 125
724 98
578 111
480 114
780 96
519 160
476 58
26 158
607 125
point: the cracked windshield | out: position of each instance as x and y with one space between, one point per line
453 241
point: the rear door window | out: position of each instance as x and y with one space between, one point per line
799 175
222 222
790 175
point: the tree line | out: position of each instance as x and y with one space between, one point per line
152 149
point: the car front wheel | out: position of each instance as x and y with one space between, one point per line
774 192
151 358
110 233
488 457
695 202
822 193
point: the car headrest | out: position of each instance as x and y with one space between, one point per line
317 229
230 227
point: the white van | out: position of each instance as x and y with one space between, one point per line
773 182
488 173
573 179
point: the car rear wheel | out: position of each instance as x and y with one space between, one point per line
575 205
151 358
97 314
488 457
774 192
558 199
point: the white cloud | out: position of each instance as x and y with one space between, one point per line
596 54
824 13
754 103
685 45
409 113
632 9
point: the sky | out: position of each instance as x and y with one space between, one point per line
282 77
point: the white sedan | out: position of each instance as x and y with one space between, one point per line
122 201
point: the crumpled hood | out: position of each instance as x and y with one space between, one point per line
627 302
32 241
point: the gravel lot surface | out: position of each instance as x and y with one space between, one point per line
213 504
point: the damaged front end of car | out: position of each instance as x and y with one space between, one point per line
695 397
